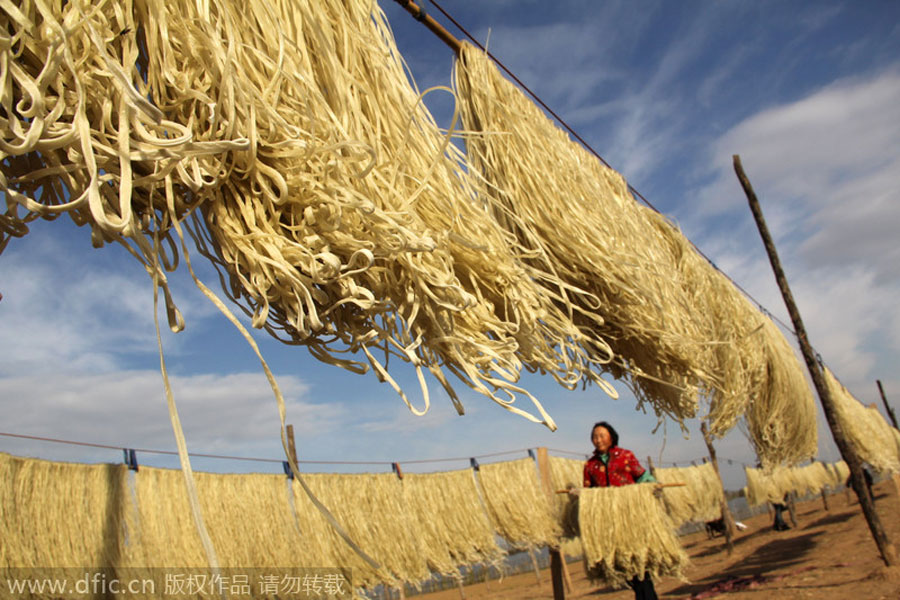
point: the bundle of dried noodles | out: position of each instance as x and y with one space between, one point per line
341 216
517 504
679 329
451 521
626 533
873 440
700 499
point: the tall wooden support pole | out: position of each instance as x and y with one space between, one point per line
885 547
887 407
727 519
557 564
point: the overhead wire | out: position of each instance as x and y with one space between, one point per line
266 460
555 451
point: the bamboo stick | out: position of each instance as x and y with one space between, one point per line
419 14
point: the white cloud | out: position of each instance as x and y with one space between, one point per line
219 414
70 308
815 150
826 171
58 308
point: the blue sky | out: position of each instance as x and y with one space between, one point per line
808 93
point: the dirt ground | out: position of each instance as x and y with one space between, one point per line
829 555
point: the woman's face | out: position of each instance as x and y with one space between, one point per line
601 439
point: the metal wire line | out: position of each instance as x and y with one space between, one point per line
268 460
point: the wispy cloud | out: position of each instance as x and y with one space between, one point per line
833 159
826 170
79 323
219 414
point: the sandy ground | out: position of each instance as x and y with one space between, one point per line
830 555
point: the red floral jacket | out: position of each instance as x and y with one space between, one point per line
622 468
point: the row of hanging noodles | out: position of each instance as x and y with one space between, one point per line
678 328
772 485
62 514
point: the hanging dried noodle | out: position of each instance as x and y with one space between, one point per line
341 217
626 533
781 413
566 473
371 508
56 515
699 500
677 326
453 525
771 485
839 473
517 504
864 428
580 232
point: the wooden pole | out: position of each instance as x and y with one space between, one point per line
792 509
885 547
825 494
557 564
419 14
727 519
887 407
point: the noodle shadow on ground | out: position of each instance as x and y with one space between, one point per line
834 519
780 554
738 541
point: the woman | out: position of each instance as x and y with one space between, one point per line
614 466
